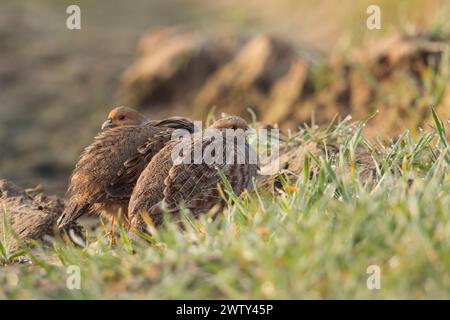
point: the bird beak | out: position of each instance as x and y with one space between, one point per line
108 123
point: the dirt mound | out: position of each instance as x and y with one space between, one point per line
401 77
253 79
172 66
31 214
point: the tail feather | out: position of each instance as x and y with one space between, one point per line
72 212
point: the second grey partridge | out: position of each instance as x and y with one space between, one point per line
166 187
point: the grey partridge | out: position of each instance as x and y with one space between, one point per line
165 186
108 169
31 215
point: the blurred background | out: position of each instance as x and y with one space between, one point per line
291 62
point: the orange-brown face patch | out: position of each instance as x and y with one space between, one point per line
123 116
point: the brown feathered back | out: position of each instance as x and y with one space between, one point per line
194 186
149 189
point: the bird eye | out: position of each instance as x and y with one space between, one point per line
122 117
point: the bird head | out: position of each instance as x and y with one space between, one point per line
230 122
123 116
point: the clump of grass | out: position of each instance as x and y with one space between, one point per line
315 239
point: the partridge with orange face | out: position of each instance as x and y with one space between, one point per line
123 116
166 186
108 169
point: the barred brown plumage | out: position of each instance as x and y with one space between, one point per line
31 215
105 175
166 187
